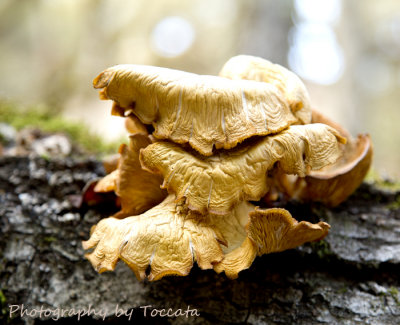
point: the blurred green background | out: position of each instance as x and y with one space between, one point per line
347 53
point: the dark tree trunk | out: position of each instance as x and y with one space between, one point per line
352 277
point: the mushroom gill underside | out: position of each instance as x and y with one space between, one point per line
218 143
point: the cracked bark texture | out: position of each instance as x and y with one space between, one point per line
352 277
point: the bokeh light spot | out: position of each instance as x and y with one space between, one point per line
314 53
327 11
172 36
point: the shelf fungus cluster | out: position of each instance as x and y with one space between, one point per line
204 151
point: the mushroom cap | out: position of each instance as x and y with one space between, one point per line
170 237
107 183
339 182
137 189
333 184
200 110
255 68
216 184
134 126
270 230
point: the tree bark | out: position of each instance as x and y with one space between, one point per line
352 277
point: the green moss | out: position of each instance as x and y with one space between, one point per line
49 239
2 298
322 248
394 292
48 121
395 205
3 301
374 178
